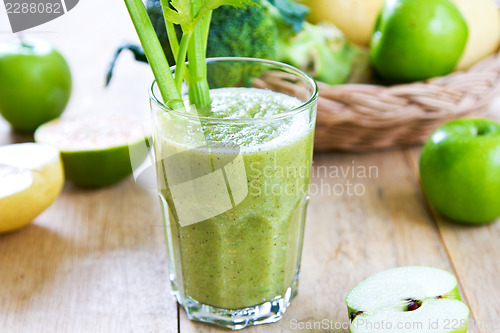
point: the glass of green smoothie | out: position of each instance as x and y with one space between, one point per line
233 184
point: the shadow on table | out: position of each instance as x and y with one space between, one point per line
29 261
19 137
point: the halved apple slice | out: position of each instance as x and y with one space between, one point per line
31 178
408 299
96 148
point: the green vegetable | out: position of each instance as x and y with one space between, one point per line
276 30
153 7
193 17
153 50
249 32
237 32
321 51
288 15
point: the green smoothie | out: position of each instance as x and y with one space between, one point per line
252 175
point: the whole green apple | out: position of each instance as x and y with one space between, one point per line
35 83
417 39
460 170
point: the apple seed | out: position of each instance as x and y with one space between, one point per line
414 304
355 314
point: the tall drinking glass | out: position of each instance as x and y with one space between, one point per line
233 186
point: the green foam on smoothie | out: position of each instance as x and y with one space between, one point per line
251 106
238 103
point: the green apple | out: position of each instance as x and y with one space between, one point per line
460 170
35 83
95 149
417 39
408 299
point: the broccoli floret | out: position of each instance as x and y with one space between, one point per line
242 32
320 50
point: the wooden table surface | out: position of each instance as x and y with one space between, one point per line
95 260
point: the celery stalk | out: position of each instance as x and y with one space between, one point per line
194 17
172 38
181 65
205 29
198 85
153 50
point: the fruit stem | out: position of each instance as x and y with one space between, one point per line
23 41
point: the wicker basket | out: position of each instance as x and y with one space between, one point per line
362 117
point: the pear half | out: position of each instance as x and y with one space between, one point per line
406 300
31 178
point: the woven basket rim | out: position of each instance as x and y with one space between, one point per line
364 117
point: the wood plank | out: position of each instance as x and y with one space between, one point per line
474 252
349 237
93 262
